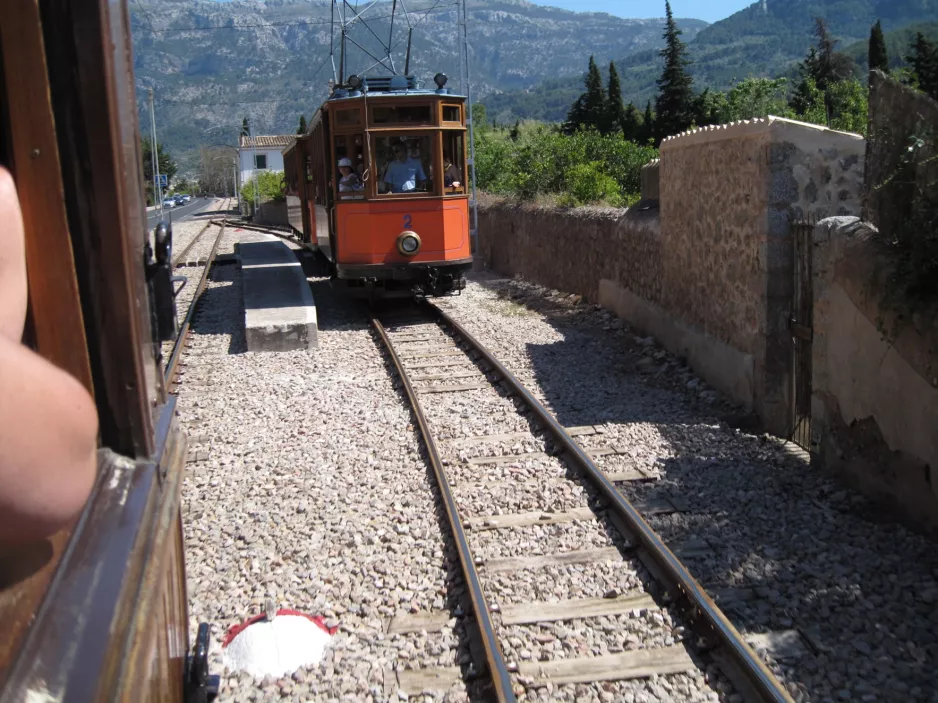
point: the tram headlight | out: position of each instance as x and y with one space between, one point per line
440 80
408 243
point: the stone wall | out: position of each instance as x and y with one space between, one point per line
874 399
573 249
273 212
710 274
728 196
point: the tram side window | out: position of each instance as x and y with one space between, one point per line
454 163
349 165
404 164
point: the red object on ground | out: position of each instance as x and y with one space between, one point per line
236 630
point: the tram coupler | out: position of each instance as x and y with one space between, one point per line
200 686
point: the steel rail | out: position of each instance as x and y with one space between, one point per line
498 670
182 254
762 684
172 366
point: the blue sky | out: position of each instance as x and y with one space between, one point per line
709 10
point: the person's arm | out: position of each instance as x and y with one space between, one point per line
12 262
48 447
48 421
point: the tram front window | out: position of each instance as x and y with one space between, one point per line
404 164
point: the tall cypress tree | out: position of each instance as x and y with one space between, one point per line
632 123
245 130
648 129
589 110
595 103
924 63
615 110
674 106
878 58
302 128
822 67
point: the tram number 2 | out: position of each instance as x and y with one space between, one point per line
407 222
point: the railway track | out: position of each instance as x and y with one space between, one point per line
533 476
205 260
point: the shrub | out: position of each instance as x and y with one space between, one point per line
270 186
534 159
587 183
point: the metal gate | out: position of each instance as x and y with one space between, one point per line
801 334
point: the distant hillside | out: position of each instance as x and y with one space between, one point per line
898 44
212 63
748 43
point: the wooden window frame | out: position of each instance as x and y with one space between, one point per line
342 128
392 103
462 114
436 142
465 160
359 196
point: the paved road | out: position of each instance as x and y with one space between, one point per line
178 214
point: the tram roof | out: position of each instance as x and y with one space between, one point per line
376 95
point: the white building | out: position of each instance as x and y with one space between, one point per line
262 153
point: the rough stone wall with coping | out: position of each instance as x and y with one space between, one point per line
728 196
874 403
572 249
711 273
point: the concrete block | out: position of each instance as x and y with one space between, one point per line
279 311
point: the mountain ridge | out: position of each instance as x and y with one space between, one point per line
748 43
212 63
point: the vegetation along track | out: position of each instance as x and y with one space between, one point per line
205 260
455 386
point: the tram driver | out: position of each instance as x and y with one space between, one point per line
405 173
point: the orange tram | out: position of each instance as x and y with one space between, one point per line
378 184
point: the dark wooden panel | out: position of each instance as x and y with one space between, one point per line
102 621
55 311
91 80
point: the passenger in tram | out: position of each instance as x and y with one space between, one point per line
48 421
404 174
349 180
451 173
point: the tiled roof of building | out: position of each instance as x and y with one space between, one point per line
278 141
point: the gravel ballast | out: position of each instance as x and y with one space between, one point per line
314 494
862 595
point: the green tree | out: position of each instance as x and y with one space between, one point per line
245 129
878 57
823 65
167 165
479 116
710 108
632 123
674 105
757 97
615 109
270 186
648 130
849 106
924 64
302 128
589 110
